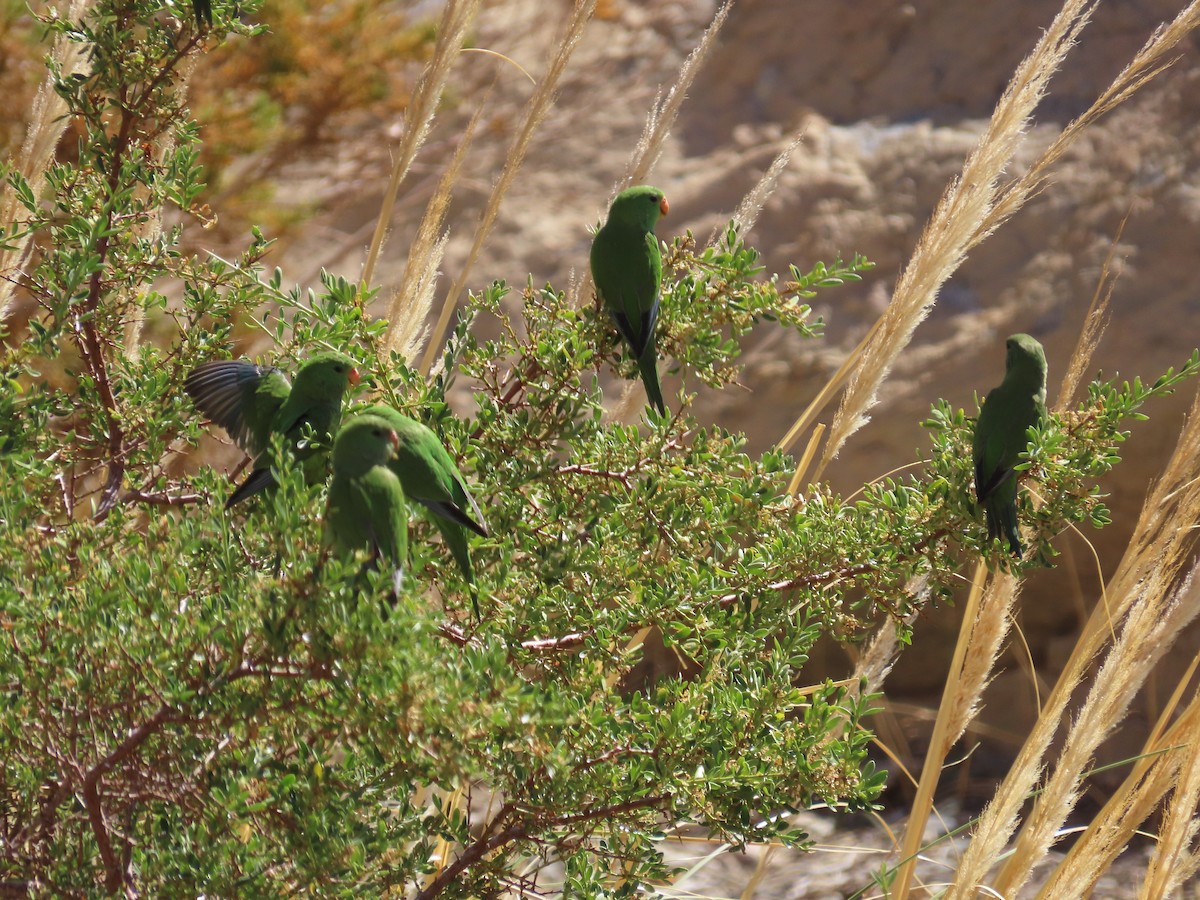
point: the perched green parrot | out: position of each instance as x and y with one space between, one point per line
627 271
366 501
429 476
1000 435
253 402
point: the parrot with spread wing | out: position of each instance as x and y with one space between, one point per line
253 402
627 270
1001 437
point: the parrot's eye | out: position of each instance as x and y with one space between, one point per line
653 198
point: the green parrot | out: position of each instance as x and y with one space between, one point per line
1000 435
429 476
366 500
627 271
253 402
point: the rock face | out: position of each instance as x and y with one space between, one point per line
889 98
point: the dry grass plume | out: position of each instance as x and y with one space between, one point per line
46 126
457 15
536 111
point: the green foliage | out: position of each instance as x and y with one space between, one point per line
197 702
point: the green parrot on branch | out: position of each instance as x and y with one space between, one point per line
1001 436
366 508
253 402
627 270
430 477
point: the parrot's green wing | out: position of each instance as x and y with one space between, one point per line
369 513
997 447
241 397
627 270
999 440
428 472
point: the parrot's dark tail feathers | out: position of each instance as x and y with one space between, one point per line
1002 523
202 9
454 514
649 369
456 540
474 589
259 480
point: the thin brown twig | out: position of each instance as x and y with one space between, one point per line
523 829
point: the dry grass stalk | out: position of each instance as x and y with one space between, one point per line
663 115
410 305
1150 779
823 397
630 404
46 125
1143 577
984 642
538 107
873 666
957 224
1172 864
1093 326
875 663
1150 629
1167 753
983 627
806 458
760 872
1110 831
418 116
748 210
986 625
1150 61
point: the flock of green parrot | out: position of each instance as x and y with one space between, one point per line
381 458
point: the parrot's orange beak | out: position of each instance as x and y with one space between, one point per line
354 377
664 206
394 440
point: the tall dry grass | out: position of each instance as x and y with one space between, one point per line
535 113
46 126
457 16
